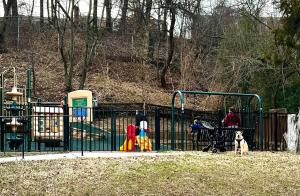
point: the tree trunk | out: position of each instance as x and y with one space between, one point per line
108 25
164 23
67 56
90 45
145 31
53 10
89 54
148 12
41 12
2 36
71 54
95 14
48 12
14 8
87 61
170 48
124 16
2 42
7 7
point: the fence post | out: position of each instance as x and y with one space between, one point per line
276 131
66 124
182 129
1 112
29 109
113 131
81 127
1 93
2 134
261 130
157 129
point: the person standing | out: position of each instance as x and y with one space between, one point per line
232 120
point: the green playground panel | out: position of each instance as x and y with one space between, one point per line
80 102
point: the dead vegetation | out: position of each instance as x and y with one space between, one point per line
190 173
116 75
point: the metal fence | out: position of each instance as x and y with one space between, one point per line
57 129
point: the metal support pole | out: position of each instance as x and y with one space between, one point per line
173 116
276 131
1 94
29 108
157 129
66 124
113 131
182 129
261 125
2 134
89 110
23 146
1 112
81 120
29 85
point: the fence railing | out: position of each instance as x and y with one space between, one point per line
56 128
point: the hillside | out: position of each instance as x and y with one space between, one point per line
116 75
106 82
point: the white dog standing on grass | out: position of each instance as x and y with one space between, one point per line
240 144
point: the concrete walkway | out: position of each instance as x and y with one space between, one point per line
72 155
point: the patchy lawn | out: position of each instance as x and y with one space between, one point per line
191 173
19 154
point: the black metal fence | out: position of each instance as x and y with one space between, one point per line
56 128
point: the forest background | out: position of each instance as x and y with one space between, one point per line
142 50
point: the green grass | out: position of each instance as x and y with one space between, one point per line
191 173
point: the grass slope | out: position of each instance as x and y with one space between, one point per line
191 173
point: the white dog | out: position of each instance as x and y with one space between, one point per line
240 144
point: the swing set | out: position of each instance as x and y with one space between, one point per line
179 118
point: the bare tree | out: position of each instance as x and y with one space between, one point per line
67 31
10 8
91 39
164 23
48 11
145 28
124 16
66 50
171 44
41 12
14 8
95 14
108 5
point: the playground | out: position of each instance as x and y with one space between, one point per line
80 123
175 173
80 146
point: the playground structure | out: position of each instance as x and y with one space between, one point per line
79 124
12 112
28 125
15 139
217 135
140 140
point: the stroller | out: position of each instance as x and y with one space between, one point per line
214 135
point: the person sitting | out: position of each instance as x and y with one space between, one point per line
232 120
